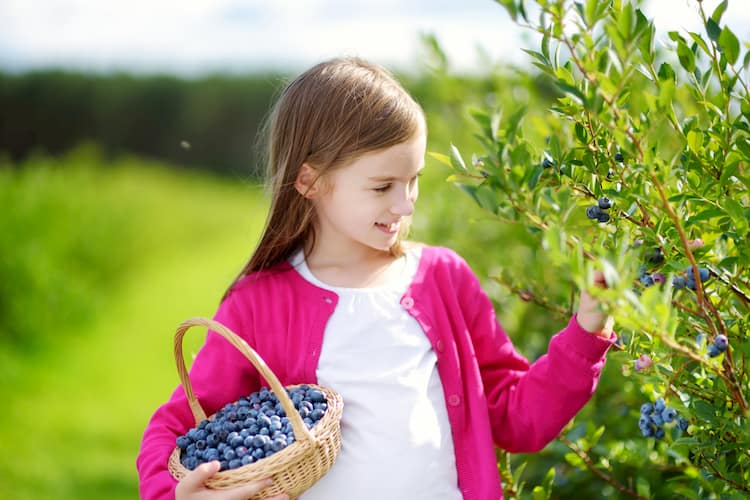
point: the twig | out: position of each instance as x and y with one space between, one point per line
592 467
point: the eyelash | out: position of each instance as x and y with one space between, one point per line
385 188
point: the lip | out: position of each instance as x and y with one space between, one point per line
388 229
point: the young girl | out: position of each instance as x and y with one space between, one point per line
335 295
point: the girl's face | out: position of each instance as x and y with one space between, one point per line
362 205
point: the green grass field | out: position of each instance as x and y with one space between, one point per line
76 404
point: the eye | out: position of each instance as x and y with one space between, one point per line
382 189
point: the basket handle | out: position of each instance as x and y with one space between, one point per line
301 431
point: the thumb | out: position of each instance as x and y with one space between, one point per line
194 479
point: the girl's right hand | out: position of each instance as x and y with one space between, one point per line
192 486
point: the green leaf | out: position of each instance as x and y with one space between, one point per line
538 493
719 11
445 159
686 56
455 159
536 173
666 72
700 42
695 140
729 45
713 30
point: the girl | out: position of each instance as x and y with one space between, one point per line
335 295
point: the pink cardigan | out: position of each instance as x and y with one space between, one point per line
494 396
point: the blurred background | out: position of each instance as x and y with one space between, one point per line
131 193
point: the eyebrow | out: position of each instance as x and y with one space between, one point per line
391 178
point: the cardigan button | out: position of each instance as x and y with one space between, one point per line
440 345
327 300
454 400
408 302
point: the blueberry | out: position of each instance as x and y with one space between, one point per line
644 421
235 463
316 395
678 282
659 433
721 342
703 273
258 453
659 278
713 351
547 163
656 418
700 339
229 454
183 442
647 431
247 459
646 280
619 157
603 217
263 421
604 203
659 405
278 444
646 408
192 435
690 283
593 212
668 415
682 423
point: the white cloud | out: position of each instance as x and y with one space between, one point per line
195 36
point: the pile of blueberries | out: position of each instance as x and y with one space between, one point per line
599 211
655 415
250 429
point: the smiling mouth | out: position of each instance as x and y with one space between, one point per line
390 228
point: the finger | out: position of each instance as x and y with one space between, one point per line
246 491
194 479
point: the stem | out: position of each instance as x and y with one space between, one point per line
592 467
735 485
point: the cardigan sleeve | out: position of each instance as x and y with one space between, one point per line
529 404
219 375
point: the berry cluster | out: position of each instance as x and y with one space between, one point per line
647 279
689 279
250 429
599 211
655 416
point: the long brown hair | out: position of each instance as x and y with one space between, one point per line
328 116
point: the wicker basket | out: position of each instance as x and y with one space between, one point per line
293 469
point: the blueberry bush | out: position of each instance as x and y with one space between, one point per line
639 168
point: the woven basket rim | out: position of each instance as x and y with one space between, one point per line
333 411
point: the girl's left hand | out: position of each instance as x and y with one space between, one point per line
590 315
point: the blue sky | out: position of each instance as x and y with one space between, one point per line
191 37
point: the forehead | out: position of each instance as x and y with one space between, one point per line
400 160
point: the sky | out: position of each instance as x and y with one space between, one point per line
193 37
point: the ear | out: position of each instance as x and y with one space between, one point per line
306 183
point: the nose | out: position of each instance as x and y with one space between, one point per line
403 205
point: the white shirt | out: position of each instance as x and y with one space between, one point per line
396 437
